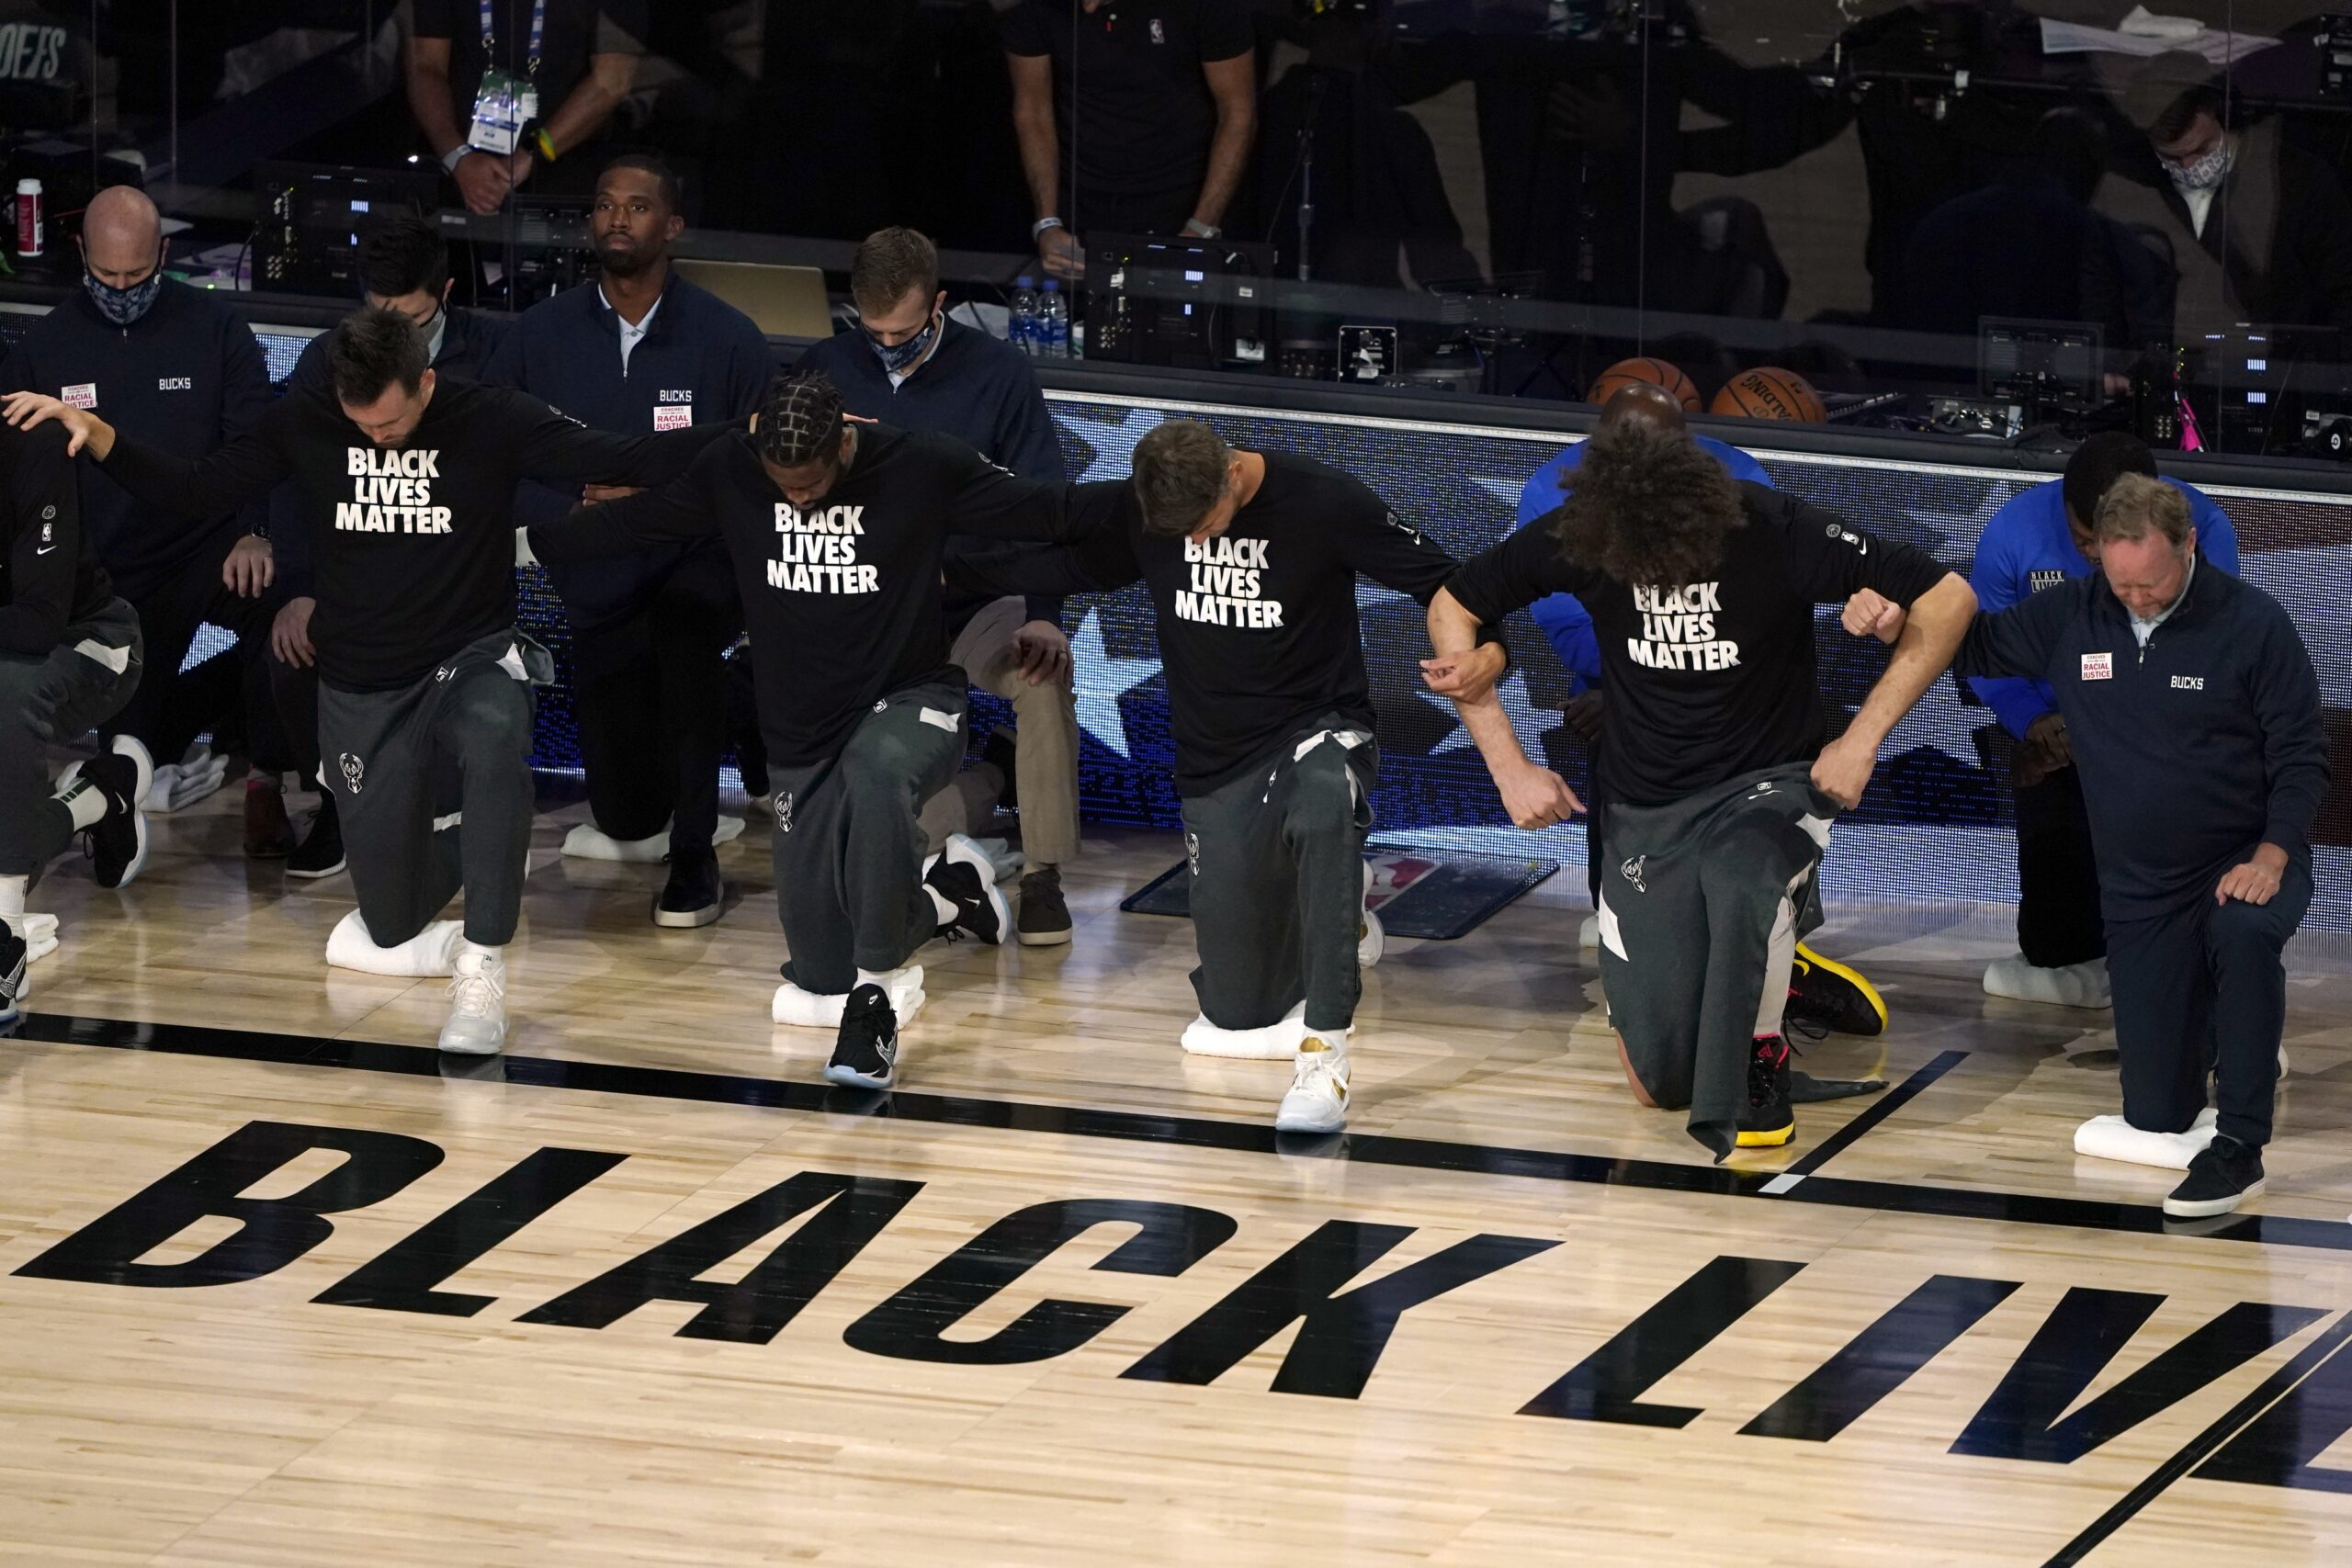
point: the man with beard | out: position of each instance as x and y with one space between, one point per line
642 350
1723 789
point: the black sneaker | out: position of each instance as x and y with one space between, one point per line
1044 918
14 956
321 851
117 841
998 752
2224 1174
1827 994
865 1053
965 878
694 894
1768 1122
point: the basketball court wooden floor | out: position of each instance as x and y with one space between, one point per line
278 1286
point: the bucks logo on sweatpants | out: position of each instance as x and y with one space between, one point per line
352 768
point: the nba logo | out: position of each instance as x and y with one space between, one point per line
1159 33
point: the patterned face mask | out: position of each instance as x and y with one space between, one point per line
2205 172
124 306
899 358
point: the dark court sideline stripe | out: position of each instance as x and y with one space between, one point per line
1184 1132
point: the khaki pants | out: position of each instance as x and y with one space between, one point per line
1045 762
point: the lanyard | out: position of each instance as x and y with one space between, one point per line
538 30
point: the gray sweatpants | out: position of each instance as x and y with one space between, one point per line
1701 905
433 784
848 852
1277 881
82 682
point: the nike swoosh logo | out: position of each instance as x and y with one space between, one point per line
44 550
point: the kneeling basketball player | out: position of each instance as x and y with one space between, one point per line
1701 591
1823 994
1251 559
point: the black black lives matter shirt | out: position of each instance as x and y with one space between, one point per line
1257 627
414 544
842 598
1707 681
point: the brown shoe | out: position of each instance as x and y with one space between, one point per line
268 835
1044 920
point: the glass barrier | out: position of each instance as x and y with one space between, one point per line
1988 220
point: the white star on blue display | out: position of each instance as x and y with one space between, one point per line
1506 491
1101 680
1112 438
1525 717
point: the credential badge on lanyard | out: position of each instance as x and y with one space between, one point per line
507 103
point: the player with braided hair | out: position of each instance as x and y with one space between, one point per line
837 529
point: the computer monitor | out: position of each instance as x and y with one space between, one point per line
2041 364
1190 303
312 217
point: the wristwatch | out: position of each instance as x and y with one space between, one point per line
456 155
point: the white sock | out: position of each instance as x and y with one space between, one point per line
939 901
83 801
466 945
12 901
877 977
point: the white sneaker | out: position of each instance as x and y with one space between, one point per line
1318 1100
1372 940
477 1025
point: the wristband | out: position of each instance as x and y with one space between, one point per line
1200 231
540 139
1037 229
456 155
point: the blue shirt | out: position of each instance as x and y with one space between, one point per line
2027 547
700 360
1566 622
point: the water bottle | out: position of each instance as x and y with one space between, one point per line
1053 322
1020 324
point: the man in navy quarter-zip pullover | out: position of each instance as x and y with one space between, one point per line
906 364
639 350
2194 717
175 366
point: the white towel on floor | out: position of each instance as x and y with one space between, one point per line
813 1009
431 952
2081 985
1276 1042
40 933
2111 1137
587 841
178 785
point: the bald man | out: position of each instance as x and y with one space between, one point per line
175 366
1822 991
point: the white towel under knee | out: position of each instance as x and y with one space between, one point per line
431 952
2111 1137
823 1009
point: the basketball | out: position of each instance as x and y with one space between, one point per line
1652 372
1768 392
